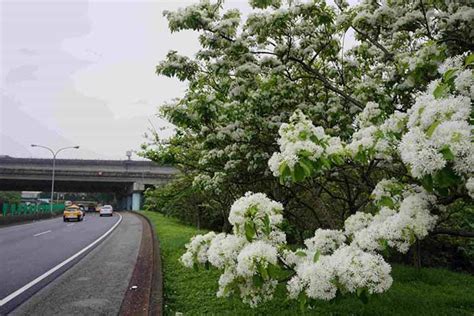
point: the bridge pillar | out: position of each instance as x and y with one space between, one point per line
136 201
137 191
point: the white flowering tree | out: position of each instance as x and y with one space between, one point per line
376 140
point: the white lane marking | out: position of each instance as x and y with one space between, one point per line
70 224
59 266
48 231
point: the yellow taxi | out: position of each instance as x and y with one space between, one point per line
73 212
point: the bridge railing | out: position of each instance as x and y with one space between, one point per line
24 209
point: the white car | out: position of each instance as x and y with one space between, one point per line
106 210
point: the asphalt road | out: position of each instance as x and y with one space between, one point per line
97 284
29 251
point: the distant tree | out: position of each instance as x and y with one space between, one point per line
11 197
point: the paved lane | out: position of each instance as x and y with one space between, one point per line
30 250
97 284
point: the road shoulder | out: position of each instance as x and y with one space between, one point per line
145 295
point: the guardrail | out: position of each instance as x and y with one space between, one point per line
23 209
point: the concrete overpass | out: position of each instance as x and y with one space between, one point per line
127 179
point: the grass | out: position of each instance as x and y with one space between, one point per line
425 292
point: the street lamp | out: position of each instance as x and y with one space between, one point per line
54 166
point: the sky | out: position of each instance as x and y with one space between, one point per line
77 72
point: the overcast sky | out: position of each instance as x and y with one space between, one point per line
82 73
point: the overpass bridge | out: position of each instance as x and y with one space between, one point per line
127 179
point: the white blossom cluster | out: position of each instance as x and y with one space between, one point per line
347 269
387 189
332 261
464 83
369 115
325 241
196 250
363 139
224 250
300 138
254 254
260 213
353 267
438 133
242 258
253 295
396 228
375 137
357 222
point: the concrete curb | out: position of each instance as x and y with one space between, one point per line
155 301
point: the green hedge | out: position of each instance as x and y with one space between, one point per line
23 209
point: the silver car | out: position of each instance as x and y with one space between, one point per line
106 210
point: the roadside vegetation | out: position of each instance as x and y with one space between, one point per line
426 291
319 164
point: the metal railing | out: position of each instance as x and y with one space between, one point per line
24 209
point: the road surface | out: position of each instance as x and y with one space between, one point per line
32 255
97 284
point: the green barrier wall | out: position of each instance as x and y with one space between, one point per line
23 209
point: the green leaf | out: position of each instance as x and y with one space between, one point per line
427 183
252 210
257 280
326 163
298 173
337 160
386 201
447 153
432 128
263 272
300 253
302 299
273 270
266 224
446 178
249 231
469 60
443 191
303 135
383 243
449 75
307 167
441 90
316 256
284 170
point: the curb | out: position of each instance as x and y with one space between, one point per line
155 282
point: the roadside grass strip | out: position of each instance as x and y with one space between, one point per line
425 292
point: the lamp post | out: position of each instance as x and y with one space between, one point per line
54 153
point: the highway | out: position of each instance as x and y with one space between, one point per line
34 254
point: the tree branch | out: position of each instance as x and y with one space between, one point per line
452 232
326 82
